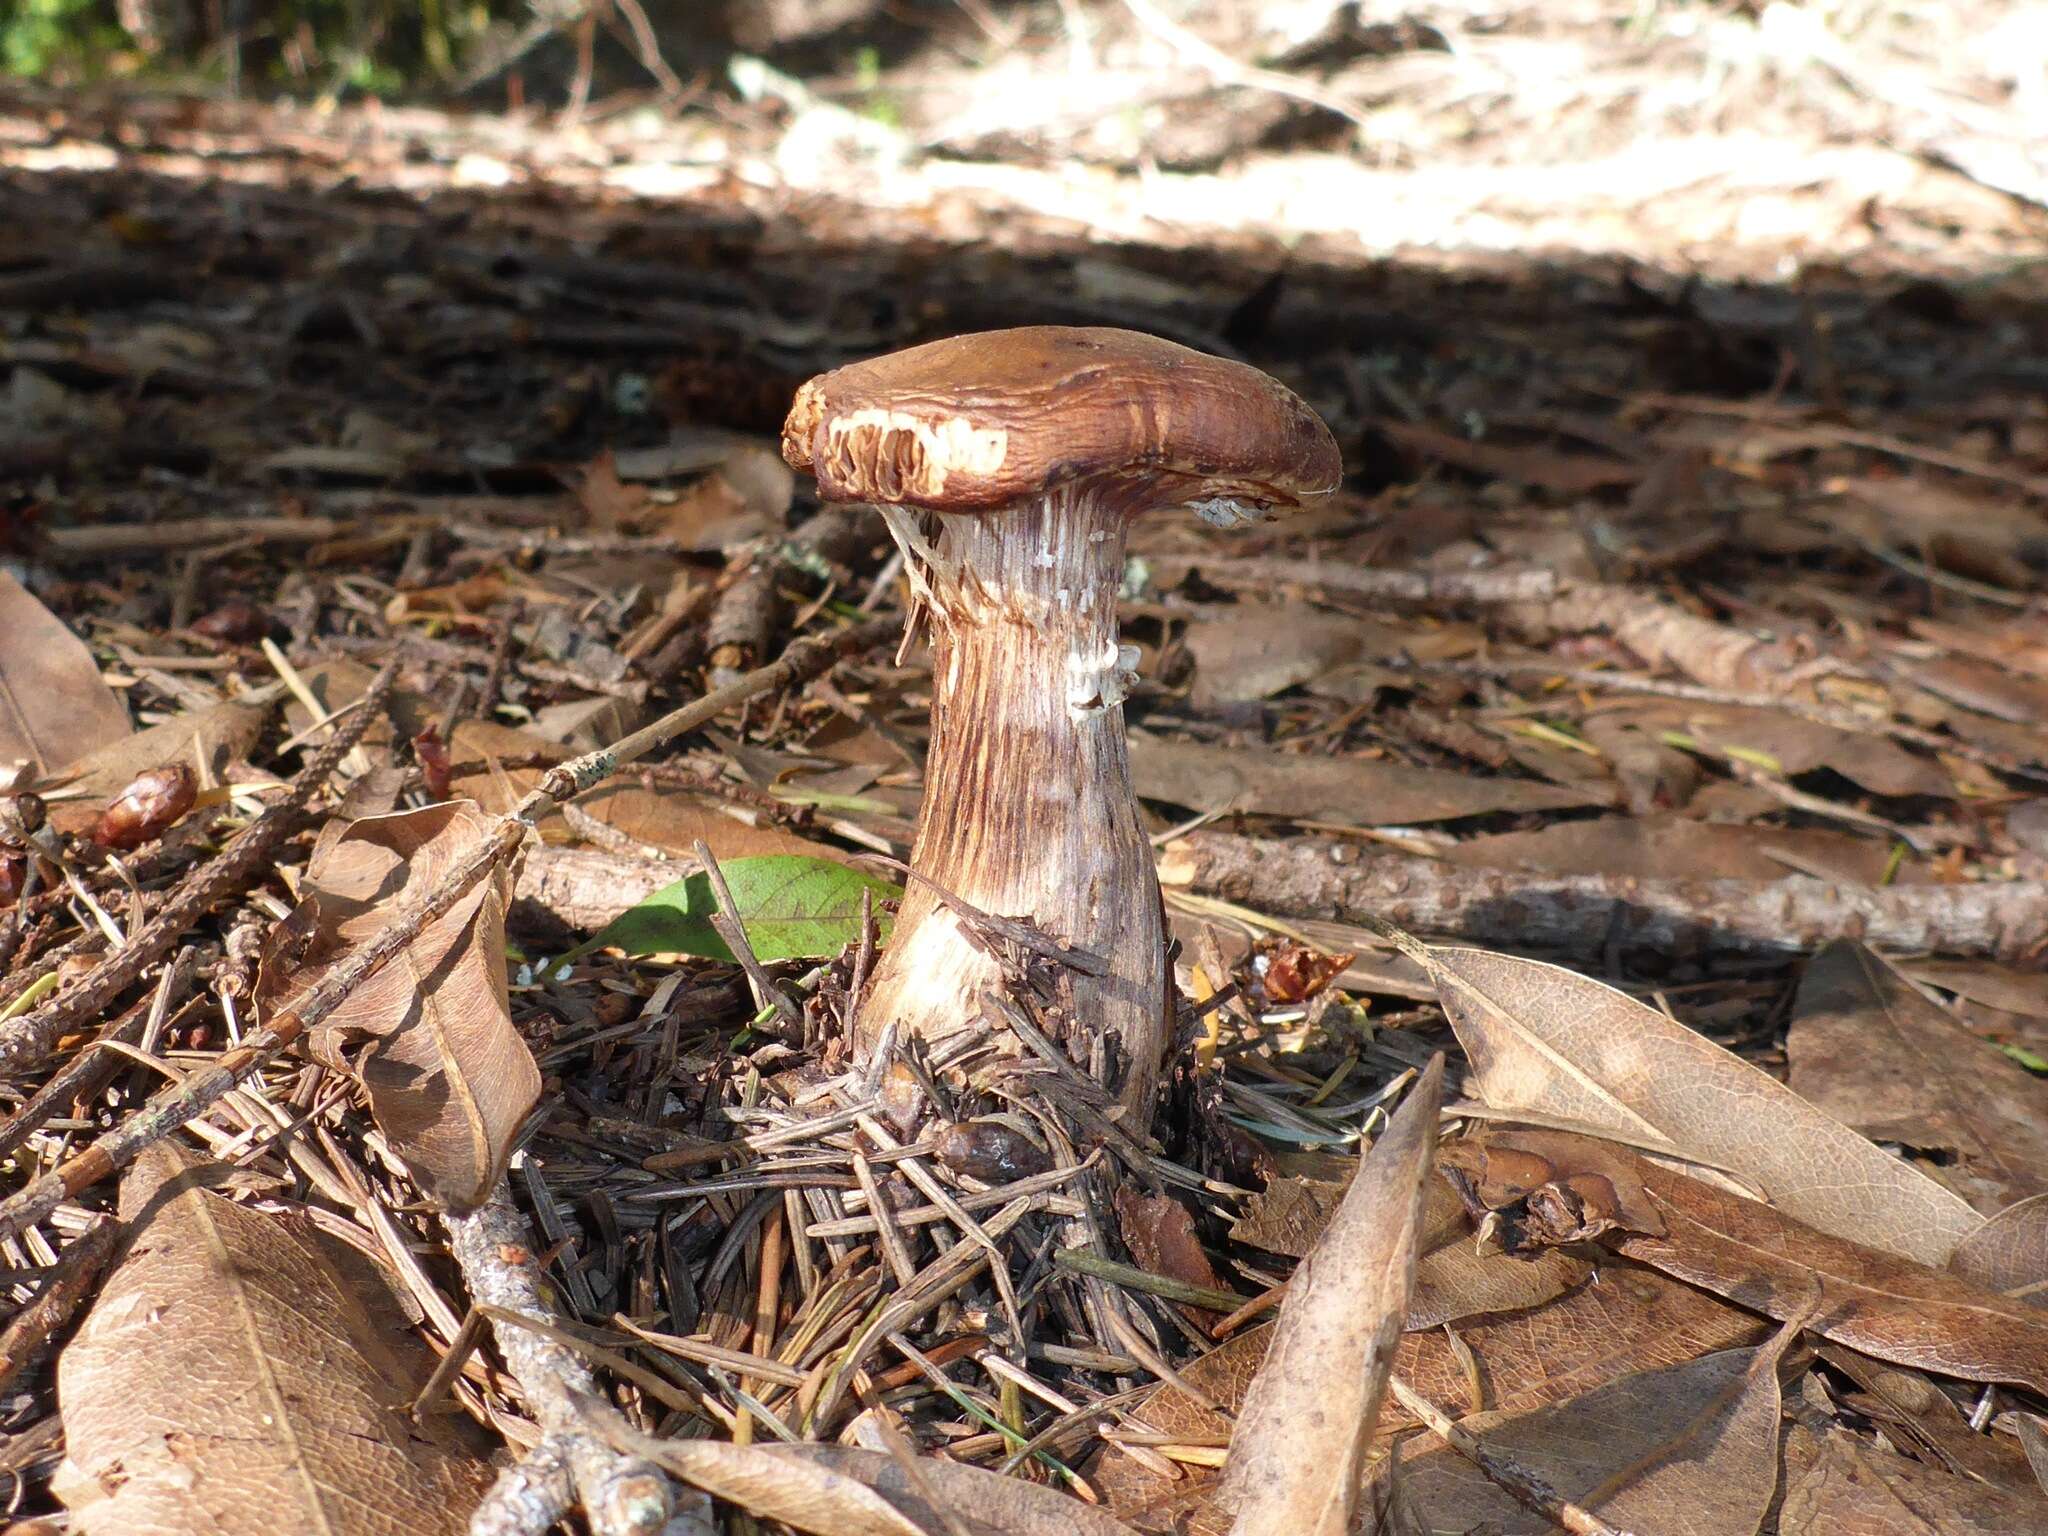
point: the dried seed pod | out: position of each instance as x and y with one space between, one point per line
148 807
992 1152
21 817
235 622
431 753
902 1099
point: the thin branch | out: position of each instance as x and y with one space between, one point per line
1527 1489
500 1263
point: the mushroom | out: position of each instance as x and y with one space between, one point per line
1008 466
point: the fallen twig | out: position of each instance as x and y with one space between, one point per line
32 1328
621 1495
1585 913
1527 1489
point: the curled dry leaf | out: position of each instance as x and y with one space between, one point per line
1298 1455
1546 1041
1867 1047
1540 1182
2009 1253
242 1375
1689 1450
430 1036
53 702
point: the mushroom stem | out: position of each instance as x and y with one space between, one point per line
1028 810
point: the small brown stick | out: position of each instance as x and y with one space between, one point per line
1527 1489
175 1106
494 1247
767 993
37 1323
26 1040
1082 1262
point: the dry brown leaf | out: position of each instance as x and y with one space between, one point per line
1997 691
1298 1455
1870 1050
1552 1187
241 1375
2009 1253
430 1036
1957 526
1629 1319
1545 1040
1852 1488
838 1491
1677 848
2004 987
2033 1437
1799 746
1160 1235
1689 1450
1914 1412
2018 644
1550 469
1350 791
53 703
1454 1278
1255 650
337 683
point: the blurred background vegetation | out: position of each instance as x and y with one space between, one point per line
331 48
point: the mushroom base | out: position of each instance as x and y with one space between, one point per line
1028 810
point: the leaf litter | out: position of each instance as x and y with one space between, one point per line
1677 641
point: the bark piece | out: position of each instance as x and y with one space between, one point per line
1584 914
239 1376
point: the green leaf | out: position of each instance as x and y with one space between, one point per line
791 907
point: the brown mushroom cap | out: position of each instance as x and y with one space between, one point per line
979 422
